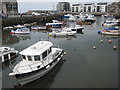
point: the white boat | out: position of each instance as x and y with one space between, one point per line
72 19
90 18
20 31
37 60
79 28
109 23
19 26
7 53
38 27
64 32
9 27
54 25
111 31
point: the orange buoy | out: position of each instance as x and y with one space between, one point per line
110 41
114 47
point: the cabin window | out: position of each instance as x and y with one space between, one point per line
12 54
29 58
36 57
44 54
1 58
49 50
23 57
73 29
6 57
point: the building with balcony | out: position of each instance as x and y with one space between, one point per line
9 7
90 7
63 6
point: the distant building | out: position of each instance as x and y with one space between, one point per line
9 7
63 6
90 7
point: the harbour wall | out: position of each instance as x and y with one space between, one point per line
10 21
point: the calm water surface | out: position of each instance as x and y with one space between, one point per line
82 67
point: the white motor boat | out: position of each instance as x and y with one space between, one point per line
20 31
7 53
72 19
111 31
64 32
79 28
37 60
38 27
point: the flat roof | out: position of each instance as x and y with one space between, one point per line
37 48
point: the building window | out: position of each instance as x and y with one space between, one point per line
98 8
72 9
89 9
84 9
106 8
76 9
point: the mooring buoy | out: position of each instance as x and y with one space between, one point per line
94 47
110 41
115 47
101 41
64 53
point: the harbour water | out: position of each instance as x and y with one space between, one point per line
82 67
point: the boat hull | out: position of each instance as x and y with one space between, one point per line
110 33
29 77
63 34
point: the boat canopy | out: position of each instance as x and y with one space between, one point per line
37 49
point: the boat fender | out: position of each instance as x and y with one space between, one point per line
99 31
64 53
12 74
47 66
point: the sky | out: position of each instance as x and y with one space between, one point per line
25 5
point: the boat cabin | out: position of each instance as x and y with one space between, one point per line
7 53
37 52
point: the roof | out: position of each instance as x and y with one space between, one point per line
37 49
6 50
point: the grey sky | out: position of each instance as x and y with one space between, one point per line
25 5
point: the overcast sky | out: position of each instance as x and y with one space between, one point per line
67 0
25 5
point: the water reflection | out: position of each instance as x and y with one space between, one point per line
110 36
22 36
63 37
8 39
